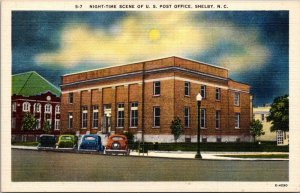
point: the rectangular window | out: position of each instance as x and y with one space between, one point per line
280 137
218 94
26 107
14 106
237 99
262 117
70 120
50 123
204 139
203 118
48 108
187 88
13 122
57 124
236 120
134 114
219 139
156 88
120 115
70 98
84 113
218 114
203 91
186 117
37 107
95 116
156 116
38 124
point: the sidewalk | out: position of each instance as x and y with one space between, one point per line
209 155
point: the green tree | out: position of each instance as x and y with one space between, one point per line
256 129
47 127
130 138
28 122
176 128
279 114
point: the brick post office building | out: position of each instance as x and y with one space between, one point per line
144 98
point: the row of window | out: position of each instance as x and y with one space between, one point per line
95 116
156 117
202 91
36 107
38 125
218 139
187 85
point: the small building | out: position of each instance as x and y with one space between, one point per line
144 98
31 93
261 113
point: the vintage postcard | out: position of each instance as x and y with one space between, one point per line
173 96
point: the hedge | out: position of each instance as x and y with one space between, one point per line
239 147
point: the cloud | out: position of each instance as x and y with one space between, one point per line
149 35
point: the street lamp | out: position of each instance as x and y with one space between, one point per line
198 98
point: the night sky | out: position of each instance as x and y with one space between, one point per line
252 45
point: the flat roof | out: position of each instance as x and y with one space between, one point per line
102 68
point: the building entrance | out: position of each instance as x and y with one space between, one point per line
106 119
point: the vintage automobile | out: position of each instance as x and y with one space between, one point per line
117 144
46 142
67 141
91 142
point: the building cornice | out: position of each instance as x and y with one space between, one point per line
153 80
149 60
173 68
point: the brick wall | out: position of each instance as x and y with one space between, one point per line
171 101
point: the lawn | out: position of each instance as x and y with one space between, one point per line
285 156
228 147
29 143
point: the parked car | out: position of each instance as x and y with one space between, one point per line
117 144
91 142
67 141
46 142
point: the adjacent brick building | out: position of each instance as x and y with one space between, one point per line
31 93
144 98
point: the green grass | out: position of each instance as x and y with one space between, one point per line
285 156
30 143
234 147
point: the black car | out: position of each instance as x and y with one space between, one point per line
46 142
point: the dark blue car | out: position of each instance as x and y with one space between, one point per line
91 142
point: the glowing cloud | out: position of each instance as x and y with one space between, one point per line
149 35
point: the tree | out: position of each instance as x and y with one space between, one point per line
46 127
256 129
28 122
279 114
176 128
130 139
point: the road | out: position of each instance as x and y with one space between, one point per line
30 165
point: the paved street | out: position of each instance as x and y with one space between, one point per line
30 165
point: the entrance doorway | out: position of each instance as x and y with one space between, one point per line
106 119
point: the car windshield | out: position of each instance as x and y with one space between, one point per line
90 138
47 137
117 138
66 138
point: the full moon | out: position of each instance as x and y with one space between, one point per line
154 35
